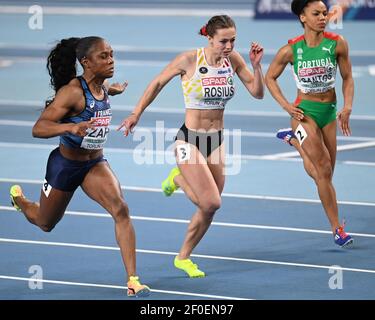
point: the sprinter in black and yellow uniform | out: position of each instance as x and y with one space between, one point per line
207 82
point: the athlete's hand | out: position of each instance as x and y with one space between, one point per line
117 88
129 123
343 118
80 129
295 112
255 54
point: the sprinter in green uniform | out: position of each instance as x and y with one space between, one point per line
314 57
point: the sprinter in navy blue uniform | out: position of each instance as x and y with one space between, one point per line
80 114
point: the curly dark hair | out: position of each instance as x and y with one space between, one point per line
61 62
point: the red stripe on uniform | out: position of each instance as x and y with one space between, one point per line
296 39
331 35
297 101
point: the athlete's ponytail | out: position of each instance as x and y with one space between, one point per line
203 31
61 62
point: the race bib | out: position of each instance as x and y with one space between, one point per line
96 137
300 133
46 187
183 152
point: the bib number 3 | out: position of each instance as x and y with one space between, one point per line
183 152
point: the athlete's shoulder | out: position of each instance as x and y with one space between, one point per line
190 54
332 36
296 39
285 54
186 57
342 46
236 59
72 91
235 56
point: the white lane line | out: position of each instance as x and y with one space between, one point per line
224 194
154 12
155 109
354 146
169 253
282 155
359 163
162 155
110 286
214 223
168 130
346 147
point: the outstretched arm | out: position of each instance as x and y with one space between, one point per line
254 82
176 67
343 60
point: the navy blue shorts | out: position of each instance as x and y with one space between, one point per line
67 175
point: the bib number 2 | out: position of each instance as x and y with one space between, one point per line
300 133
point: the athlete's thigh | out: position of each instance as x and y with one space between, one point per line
330 140
311 140
216 163
53 203
101 185
195 170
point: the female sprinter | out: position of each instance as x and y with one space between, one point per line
207 76
314 57
80 114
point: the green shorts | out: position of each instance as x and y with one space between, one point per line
322 113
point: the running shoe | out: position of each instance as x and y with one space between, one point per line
136 289
189 267
15 191
168 186
342 238
286 134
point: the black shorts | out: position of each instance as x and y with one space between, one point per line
67 175
205 142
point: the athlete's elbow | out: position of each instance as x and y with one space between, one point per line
159 85
258 94
268 80
261 95
37 132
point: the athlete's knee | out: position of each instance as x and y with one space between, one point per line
120 211
210 205
310 170
45 224
47 227
324 170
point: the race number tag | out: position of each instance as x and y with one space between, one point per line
96 137
301 134
46 187
183 152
